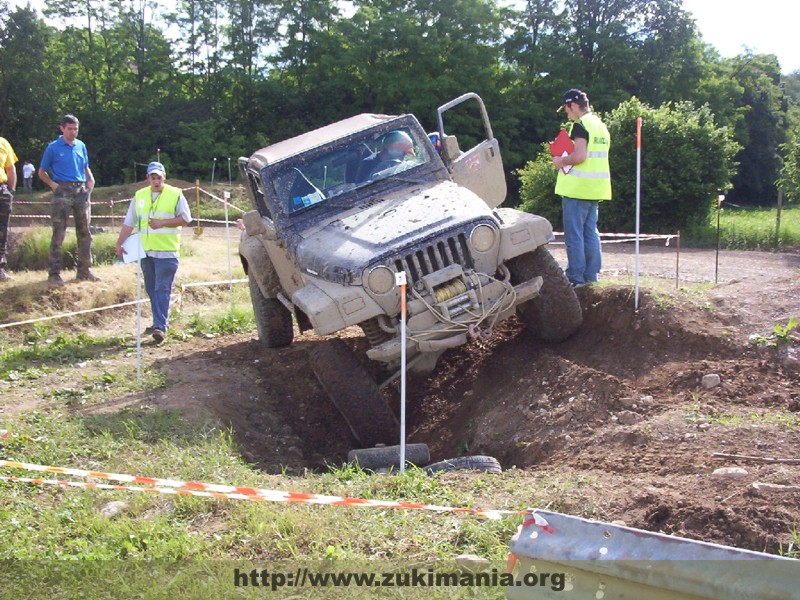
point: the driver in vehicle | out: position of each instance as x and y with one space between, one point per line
395 147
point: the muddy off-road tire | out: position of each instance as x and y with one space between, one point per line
484 464
354 393
555 314
273 320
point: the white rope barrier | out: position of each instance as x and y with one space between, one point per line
126 201
210 283
71 314
218 199
627 237
175 300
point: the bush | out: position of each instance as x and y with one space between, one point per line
686 161
538 180
30 251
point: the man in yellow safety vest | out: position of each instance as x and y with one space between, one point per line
157 213
584 180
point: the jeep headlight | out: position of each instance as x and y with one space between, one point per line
380 280
483 238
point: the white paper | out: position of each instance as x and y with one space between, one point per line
566 168
133 249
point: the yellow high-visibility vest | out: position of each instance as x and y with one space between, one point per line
164 239
590 180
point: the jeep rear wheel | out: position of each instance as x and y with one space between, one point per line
354 393
555 314
273 320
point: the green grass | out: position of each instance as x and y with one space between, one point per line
748 229
30 252
41 354
239 319
712 415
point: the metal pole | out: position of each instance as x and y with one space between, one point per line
720 199
230 181
638 208
198 229
226 196
778 219
400 279
139 319
213 170
678 261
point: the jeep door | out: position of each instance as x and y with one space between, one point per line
479 169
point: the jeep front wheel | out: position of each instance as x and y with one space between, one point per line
555 314
354 393
273 320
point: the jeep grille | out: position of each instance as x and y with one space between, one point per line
427 260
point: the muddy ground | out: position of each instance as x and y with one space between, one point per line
620 405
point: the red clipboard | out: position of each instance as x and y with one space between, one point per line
562 146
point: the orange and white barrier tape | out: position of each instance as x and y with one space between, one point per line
214 490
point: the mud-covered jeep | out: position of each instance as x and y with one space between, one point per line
340 210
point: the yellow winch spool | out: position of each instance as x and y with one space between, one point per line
451 290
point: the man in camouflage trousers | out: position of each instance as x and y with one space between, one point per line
8 182
72 182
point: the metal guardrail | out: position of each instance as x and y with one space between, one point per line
601 561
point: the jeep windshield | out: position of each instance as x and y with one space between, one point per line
316 177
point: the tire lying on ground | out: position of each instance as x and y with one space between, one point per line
484 464
388 457
354 393
273 319
555 314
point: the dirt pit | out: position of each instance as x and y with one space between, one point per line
620 407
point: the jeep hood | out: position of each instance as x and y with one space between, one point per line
341 247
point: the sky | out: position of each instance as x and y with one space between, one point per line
731 26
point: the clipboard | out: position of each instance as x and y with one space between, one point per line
562 146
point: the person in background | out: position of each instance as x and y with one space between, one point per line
157 213
8 183
72 183
586 183
27 176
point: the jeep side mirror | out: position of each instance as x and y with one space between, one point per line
450 149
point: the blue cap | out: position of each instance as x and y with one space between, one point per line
156 167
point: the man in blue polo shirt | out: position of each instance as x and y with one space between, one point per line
71 181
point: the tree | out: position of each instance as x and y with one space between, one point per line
252 26
27 99
760 133
199 52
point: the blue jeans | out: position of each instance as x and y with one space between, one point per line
159 273
584 256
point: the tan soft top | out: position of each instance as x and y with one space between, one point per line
313 139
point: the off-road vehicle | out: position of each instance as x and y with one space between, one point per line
339 211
